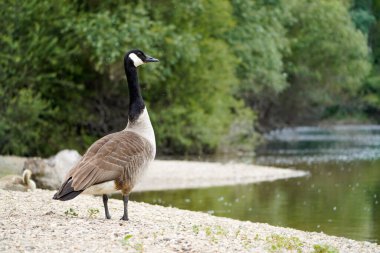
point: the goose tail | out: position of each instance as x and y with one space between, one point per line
66 192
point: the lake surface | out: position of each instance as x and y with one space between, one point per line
341 196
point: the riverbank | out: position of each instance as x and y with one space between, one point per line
172 174
169 175
33 222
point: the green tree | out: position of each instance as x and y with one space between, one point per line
365 14
194 104
259 41
327 64
68 58
361 16
37 68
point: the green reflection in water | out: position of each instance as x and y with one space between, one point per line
338 198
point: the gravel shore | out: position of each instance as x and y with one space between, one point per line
165 175
33 222
169 175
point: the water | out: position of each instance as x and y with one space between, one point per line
341 197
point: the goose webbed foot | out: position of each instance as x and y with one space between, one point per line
124 218
105 202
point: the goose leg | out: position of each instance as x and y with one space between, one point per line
105 202
125 200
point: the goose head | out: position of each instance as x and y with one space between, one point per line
137 57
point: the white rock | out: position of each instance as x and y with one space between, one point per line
63 161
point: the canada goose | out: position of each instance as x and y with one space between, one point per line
115 162
18 183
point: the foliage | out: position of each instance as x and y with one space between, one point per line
38 77
280 243
127 237
324 249
339 52
365 14
92 212
228 67
70 60
297 56
71 212
259 41
197 106
24 111
362 15
327 64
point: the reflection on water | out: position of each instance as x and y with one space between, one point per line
313 144
341 197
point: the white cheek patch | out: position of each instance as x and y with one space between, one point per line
136 60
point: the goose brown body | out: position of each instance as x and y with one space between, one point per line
115 162
120 157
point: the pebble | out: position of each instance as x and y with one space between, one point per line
41 225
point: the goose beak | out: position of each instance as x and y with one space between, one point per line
151 59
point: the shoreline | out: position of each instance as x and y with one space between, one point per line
172 174
175 174
33 222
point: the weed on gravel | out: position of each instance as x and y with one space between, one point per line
280 243
324 249
93 213
71 212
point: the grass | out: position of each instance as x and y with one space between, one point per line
93 212
215 233
196 229
127 237
324 249
212 232
237 233
71 212
139 247
280 243
220 231
245 241
276 243
155 235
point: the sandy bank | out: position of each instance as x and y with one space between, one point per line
33 222
164 175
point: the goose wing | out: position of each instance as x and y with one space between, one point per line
109 158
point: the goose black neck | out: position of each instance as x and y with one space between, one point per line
136 102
